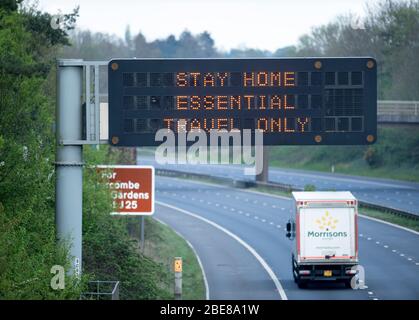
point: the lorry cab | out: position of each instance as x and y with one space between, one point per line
324 231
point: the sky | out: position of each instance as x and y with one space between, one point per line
259 24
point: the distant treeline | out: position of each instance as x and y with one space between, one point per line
388 32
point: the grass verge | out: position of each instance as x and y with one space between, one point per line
162 244
392 218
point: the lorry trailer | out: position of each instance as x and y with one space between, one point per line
324 231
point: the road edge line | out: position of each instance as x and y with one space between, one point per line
204 276
389 223
264 264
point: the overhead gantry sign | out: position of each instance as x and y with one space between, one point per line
299 101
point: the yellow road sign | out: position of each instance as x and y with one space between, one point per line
177 265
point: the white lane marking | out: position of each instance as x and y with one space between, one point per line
377 242
271 223
278 226
386 246
289 199
263 220
247 215
369 239
264 264
204 276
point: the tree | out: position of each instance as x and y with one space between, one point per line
388 33
28 248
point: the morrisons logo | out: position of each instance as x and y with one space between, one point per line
327 224
327 234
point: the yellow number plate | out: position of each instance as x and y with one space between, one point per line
327 273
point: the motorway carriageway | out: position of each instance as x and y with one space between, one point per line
396 194
239 237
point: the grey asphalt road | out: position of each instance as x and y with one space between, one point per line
389 193
232 271
389 255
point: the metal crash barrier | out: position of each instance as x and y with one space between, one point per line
102 290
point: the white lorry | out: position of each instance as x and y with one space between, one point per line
324 231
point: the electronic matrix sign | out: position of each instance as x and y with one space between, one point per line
300 101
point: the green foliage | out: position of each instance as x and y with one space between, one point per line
28 247
389 33
10 5
371 157
109 253
394 155
309 187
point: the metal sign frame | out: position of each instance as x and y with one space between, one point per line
90 101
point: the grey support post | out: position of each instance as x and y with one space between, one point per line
69 160
264 175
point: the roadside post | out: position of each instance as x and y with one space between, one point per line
77 124
142 233
69 161
177 268
264 173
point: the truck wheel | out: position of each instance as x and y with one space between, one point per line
302 284
348 283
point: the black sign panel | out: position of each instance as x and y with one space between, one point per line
301 101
